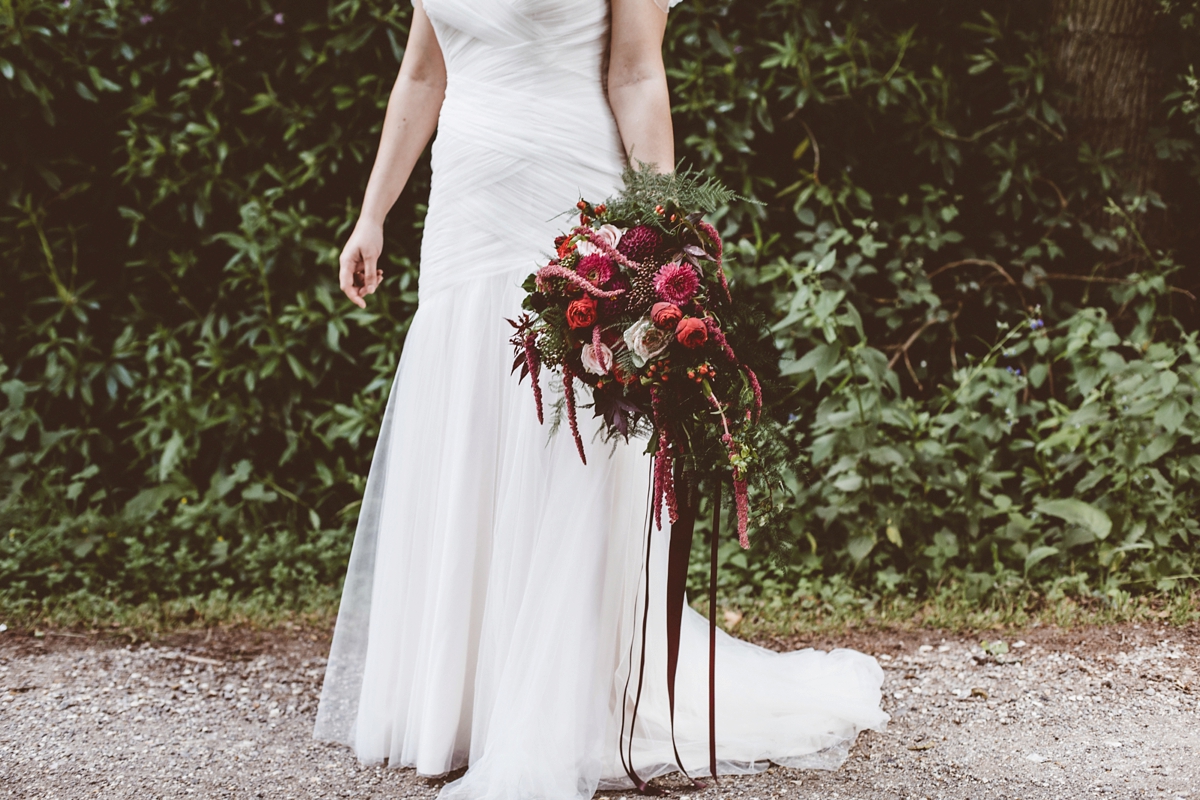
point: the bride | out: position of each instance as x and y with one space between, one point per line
489 614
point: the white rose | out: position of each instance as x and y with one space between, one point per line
597 360
611 235
646 340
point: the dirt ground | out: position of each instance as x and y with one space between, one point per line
1093 713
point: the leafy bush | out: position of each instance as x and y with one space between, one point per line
190 405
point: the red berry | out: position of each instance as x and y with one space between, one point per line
581 205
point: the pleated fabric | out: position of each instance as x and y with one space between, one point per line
490 614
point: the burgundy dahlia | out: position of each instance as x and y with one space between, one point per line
610 307
597 269
639 243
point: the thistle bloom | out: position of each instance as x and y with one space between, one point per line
676 283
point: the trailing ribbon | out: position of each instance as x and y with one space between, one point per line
679 550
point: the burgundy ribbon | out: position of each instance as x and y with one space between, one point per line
679 551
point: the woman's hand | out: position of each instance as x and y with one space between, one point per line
412 115
359 274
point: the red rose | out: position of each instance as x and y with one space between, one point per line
582 313
665 315
691 332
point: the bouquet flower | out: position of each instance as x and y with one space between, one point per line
635 305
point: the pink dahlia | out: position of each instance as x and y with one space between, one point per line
639 243
596 269
676 283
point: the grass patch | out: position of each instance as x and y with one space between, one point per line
83 611
948 610
759 618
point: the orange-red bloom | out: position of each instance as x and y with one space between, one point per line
665 315
581 313
691 332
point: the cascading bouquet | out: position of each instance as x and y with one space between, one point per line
636 305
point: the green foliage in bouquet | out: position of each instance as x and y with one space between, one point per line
650 197
626 307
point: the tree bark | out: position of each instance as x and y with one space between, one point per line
1101 52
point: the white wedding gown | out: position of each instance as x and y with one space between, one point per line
492 593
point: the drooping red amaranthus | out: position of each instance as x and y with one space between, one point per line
664 463
569 394
605 247
711 232
575 279
662 473
533 364
724 283
757 391
740 494
742 499
669 490
717 335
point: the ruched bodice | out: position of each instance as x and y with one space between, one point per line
489 609
525 130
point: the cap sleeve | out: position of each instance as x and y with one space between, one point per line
666 5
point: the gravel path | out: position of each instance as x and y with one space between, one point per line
1107 713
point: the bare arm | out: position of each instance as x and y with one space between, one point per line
637 83
412 114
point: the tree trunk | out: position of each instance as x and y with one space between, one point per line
1101 53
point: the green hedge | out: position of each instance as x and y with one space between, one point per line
190 405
